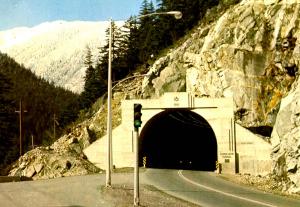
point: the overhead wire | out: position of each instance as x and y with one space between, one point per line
189 120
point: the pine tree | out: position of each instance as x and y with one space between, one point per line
139 39
88 58
7 125
146 38
131 33
93 87
41 100
117 52
125 47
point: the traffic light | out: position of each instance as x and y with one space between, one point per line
137 116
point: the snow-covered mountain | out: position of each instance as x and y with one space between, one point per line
55 50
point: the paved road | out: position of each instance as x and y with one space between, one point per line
208 190
205 189
78 191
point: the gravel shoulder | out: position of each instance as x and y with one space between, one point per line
263 183
122 196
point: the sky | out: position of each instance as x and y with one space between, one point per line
17 13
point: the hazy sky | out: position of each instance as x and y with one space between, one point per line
15 13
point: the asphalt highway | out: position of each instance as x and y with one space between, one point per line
75 191
203 188
208 190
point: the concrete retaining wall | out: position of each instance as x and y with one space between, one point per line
253 152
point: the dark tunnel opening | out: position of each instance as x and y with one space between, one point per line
178 139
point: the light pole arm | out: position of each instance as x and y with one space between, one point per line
176 14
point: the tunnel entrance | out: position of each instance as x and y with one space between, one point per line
178 139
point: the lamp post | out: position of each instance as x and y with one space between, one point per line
109 112
177 15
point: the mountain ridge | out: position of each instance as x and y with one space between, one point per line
56 50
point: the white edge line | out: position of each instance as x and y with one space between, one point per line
221 192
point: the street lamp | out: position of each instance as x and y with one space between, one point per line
177 15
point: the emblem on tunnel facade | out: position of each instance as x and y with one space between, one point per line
176 101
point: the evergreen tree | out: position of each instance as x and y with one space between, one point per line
130 42
88 58
192 12
140 38
124 51
7 123
94 84
148 44
117 51
40 99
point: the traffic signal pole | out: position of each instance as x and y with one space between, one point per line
137 122
136 169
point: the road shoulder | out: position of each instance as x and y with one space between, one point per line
262 183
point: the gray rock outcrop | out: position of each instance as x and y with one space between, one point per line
286 140
250 53
63 158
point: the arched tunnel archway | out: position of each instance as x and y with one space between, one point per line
178 139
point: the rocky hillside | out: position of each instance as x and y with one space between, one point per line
248 53
251 52
65 157
62 158
55 50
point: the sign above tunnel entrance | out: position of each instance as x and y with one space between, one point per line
178 100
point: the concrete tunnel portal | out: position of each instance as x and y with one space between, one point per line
181 131
178 139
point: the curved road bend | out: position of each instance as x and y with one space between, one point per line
76 191
208 190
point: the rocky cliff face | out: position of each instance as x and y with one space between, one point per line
251 52
286 141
